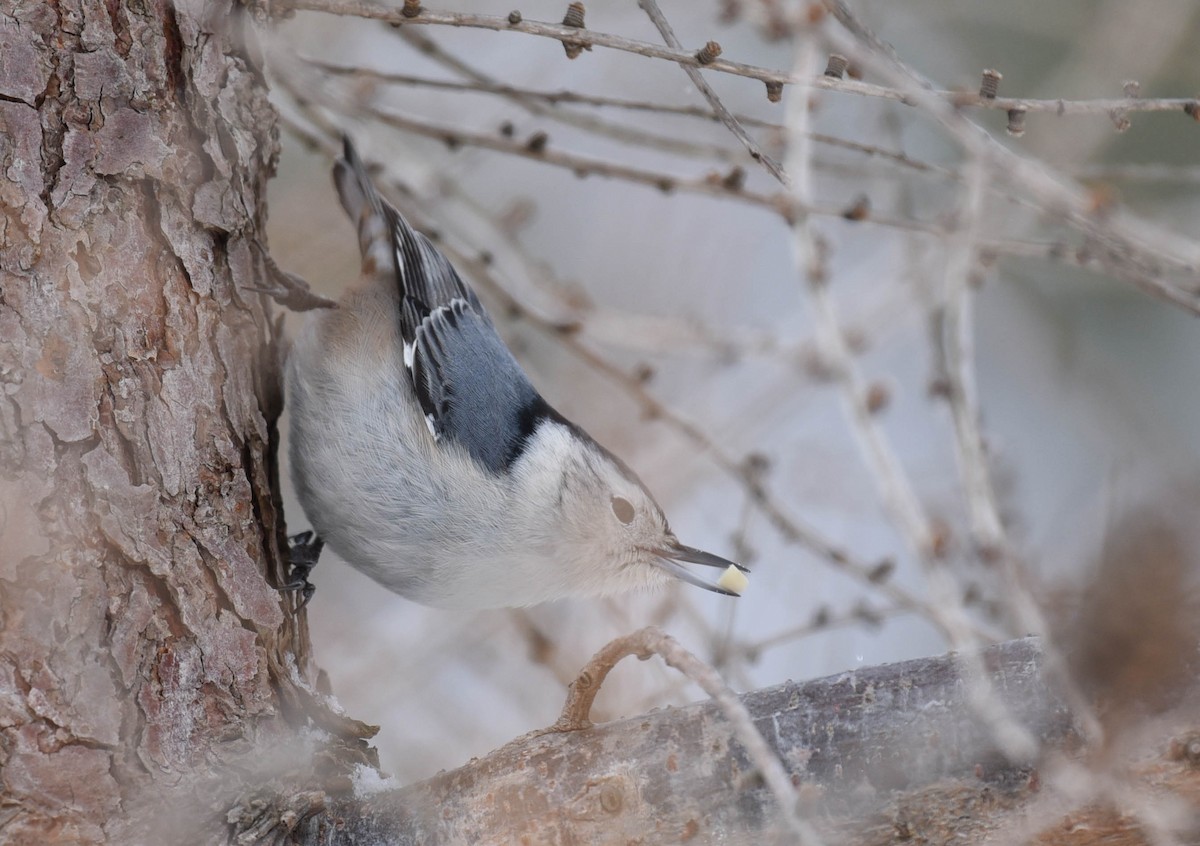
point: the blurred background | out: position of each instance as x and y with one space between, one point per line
676 328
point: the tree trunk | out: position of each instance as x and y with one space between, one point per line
141 643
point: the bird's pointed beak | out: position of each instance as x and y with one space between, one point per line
674 557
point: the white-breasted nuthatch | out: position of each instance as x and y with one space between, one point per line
424 457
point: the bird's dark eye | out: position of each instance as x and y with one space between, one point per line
623 510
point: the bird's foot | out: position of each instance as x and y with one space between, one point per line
304 551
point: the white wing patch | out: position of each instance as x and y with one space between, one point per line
400 269
458 305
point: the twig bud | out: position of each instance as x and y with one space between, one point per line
537 142
860 209
1102 199
990 84
878 397
774 91
940 387
708 53
574 18
756 464
882 571
514 17
1120 120
1016 122
411 8
836 66
864 613
735 180
1132 88
939 538
1192 110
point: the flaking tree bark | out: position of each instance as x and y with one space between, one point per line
154 687
142 647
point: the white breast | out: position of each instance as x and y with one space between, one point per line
420 517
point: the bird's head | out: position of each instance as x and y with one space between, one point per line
605 528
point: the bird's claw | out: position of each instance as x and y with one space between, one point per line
304 551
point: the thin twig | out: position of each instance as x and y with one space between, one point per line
1123 238
577 164
954 352
821 622
650 7
899 499
562 96
957 342
712 185
958 99
548 109
1142 270
652 641
1155 172
707 186
1112 247
1134 251
1130 249
554 98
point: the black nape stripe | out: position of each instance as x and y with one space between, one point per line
537 410
529 416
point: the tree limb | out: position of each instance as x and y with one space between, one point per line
857 746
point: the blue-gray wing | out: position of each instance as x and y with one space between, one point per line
470 387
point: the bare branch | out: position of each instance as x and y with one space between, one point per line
958 99
650 7
880 755
1129 248
547 107
483 85
651 641
958 345
899 499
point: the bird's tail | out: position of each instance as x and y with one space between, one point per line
365 207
